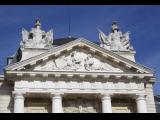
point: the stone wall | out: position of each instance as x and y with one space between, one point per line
150 99
86 105
6 99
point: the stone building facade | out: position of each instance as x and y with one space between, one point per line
74 75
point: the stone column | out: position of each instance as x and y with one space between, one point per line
106 103
141 103
18 102
57 103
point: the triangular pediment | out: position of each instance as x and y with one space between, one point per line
78 60
79 55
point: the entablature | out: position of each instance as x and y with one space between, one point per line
11 75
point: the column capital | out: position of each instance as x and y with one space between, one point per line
140 96
18 101
106 94
57 102
106 103
141 103
56 94
18 93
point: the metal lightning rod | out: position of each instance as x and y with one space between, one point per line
69 22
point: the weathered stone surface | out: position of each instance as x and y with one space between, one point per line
6 100
82 105
150 99
46 75
78 61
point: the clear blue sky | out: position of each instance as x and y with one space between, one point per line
142 21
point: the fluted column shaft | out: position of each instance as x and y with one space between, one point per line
57 103
106 104
141 104
18 102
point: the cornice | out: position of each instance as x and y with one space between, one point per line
77 74
82 43
1 77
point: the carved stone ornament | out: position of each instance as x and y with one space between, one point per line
81 106
77 61
36 38
116 40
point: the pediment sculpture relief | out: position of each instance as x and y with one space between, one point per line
77 61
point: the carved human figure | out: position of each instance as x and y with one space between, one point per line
24 34
73 62
77 61
37 38
115 41
89 62
69 62
115 38
104 40
49 38
126 41
24 37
